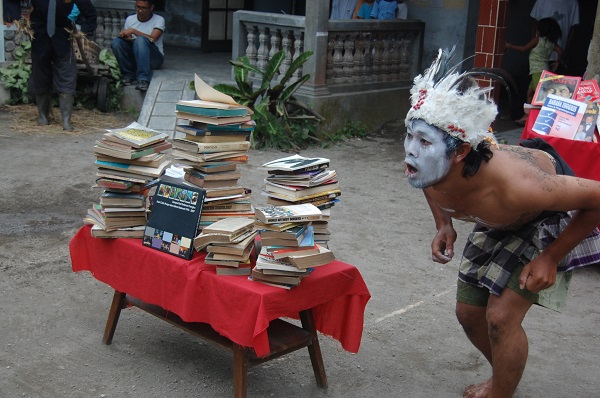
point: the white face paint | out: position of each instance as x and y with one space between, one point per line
426 160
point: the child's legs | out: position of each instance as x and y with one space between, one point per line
535 79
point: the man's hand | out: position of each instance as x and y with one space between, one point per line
126 33
539 274
442 247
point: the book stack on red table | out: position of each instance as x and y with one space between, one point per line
212 137
127 161
288 249
297 180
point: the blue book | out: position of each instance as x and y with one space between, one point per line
211 109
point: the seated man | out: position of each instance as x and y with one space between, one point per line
139 47
534 221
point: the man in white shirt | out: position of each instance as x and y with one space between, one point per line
342 9
139 47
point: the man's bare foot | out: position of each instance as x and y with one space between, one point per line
480 390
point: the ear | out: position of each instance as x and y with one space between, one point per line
462 151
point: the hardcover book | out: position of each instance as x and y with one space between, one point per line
210 147
202 129
211 108
173 222
218 120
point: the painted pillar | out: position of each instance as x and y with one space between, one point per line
316 27
491 34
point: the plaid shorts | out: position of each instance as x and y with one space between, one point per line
492 256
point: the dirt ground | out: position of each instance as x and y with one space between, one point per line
53 319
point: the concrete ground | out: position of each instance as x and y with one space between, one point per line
412 346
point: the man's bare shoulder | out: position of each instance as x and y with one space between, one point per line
517 160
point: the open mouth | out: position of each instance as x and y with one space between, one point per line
410 170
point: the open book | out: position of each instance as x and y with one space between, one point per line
211 103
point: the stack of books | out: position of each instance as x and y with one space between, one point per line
297 180
212 138
288 251
128 161
229 243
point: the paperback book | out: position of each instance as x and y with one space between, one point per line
173 222
559 117
290 213
136 135
554 84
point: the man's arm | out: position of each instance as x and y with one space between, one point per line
158 24
156 33
88 11
442 246
559 193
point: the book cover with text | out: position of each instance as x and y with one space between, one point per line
173 222
559 117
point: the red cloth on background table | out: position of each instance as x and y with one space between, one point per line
581 156
235 307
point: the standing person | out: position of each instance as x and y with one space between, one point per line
11 11
54 65
364 12
402 10
139 47
342 9
534 221
565 12
542 46
385 9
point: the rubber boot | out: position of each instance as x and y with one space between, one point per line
65 103
43 105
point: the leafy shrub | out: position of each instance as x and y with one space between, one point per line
282 121
15 76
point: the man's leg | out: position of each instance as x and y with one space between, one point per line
148 57
473 320
42 81
496 331
65 83
508 341
124 54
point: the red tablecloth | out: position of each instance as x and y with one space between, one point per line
234 306
581 156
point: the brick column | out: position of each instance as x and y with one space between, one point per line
491 34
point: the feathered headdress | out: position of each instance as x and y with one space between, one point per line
453 101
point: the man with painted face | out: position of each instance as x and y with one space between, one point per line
534 221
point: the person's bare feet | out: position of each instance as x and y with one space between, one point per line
480 390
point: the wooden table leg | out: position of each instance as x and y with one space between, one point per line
240 371
118 302
314 349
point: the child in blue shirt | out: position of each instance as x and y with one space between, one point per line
364 12
385 9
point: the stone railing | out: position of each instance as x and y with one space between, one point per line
365 54
358 55
110 23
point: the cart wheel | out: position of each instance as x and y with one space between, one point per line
102 94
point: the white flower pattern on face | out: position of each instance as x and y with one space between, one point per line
425 154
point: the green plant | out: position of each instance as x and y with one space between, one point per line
15 75
282 121
107 58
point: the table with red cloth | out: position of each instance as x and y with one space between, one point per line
580 155
233 306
